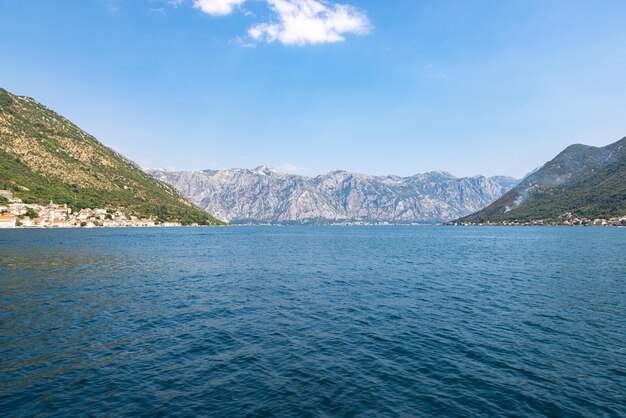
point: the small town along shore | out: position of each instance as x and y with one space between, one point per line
16 214
567 219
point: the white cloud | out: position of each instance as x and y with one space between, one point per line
217 7
296 22
310 22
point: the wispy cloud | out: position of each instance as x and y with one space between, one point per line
157 6
292 168
112 5
296 22
217 7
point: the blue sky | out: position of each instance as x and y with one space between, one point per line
381 87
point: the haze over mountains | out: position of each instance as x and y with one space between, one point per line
583 181
266 195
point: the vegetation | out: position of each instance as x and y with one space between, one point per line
45 157
587 182
30 212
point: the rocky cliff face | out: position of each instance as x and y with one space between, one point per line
265 195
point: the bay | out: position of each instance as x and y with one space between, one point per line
313 321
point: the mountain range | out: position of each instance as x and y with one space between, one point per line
582 181
267 195
45 157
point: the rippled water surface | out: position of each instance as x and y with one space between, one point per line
314 321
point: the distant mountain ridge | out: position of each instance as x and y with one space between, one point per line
582 180
267 195
44 157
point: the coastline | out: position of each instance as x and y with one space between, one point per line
306 225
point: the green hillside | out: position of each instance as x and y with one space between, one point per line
589 182
44 157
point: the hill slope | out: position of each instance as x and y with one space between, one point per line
44 157
268 195
589 182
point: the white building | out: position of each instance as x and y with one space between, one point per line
7 221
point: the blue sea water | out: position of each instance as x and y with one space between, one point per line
313 321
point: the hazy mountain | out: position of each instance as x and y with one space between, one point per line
44 157
584 180
265 194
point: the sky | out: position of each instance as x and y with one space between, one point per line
399 87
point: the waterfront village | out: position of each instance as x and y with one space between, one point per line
568 219
16 214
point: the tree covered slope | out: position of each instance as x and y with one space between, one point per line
44 157
589 182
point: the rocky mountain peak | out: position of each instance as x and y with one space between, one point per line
267 170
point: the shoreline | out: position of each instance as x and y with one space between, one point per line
299 225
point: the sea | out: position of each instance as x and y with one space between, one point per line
308 321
